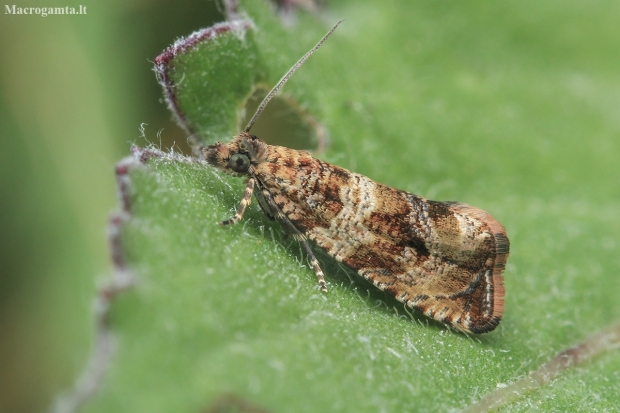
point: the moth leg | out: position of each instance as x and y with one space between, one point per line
263 204
315 265
245 201
298 235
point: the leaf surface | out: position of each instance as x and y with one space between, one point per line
506 109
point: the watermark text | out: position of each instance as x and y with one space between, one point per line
44 11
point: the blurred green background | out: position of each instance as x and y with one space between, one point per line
74 91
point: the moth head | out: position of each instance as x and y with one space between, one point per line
239 156
239 163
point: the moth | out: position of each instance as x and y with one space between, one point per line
444 259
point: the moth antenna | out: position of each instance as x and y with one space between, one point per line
287 76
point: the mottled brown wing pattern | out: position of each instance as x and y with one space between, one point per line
444 259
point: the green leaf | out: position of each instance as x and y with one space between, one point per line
511 107
208 74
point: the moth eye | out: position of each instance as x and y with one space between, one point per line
239 163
